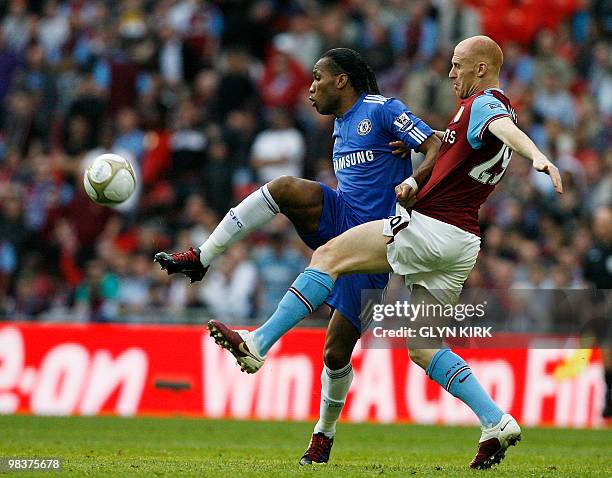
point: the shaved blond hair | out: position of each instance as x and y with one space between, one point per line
482 49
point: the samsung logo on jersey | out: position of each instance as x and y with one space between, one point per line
352 159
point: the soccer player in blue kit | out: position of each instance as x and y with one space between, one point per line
366 126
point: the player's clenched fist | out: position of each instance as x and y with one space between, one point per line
406 195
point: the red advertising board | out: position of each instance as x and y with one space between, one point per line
166 370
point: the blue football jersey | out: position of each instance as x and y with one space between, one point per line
367 172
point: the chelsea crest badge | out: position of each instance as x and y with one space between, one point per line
364 127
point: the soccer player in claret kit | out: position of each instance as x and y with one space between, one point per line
433 242
367 171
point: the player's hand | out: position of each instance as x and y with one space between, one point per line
400 149
406 196
542 164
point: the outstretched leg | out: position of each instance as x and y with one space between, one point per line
361 249
299 199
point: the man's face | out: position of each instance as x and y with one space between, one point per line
463 73
324 95
602 225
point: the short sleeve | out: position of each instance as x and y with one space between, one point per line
485 109
399 121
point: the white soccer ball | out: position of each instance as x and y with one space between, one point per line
109 180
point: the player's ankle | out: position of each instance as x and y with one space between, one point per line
203 259
255 344
329 432
209 251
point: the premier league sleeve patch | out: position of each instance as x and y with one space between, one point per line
403 122
498 105
364 127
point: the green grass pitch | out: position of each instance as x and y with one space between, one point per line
105 446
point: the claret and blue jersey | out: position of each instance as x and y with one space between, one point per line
367 174
470 163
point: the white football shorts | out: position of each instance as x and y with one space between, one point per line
430 253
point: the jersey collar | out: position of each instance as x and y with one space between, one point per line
352 109
489 89
482 92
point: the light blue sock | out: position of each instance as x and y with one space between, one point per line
452 373
305 295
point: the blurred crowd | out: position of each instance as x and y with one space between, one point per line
208 99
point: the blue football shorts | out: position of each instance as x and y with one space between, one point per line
337 217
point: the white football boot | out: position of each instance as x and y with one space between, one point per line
239 343
495 441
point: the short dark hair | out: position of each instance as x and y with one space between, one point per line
351 63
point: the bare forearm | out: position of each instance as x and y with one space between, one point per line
515 139
422 173
407 190
430 147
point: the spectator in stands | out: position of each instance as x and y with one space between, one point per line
237 90
459 20
553 102
96 297
218 177
134 287
229 289
278 150
601 79
277 266
53 32
12 227
129 135
283 80
429 93
302 41
598 261
18 122
18 26
187 151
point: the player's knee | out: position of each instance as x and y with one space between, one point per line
336 358
284 189
325 258
420 357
